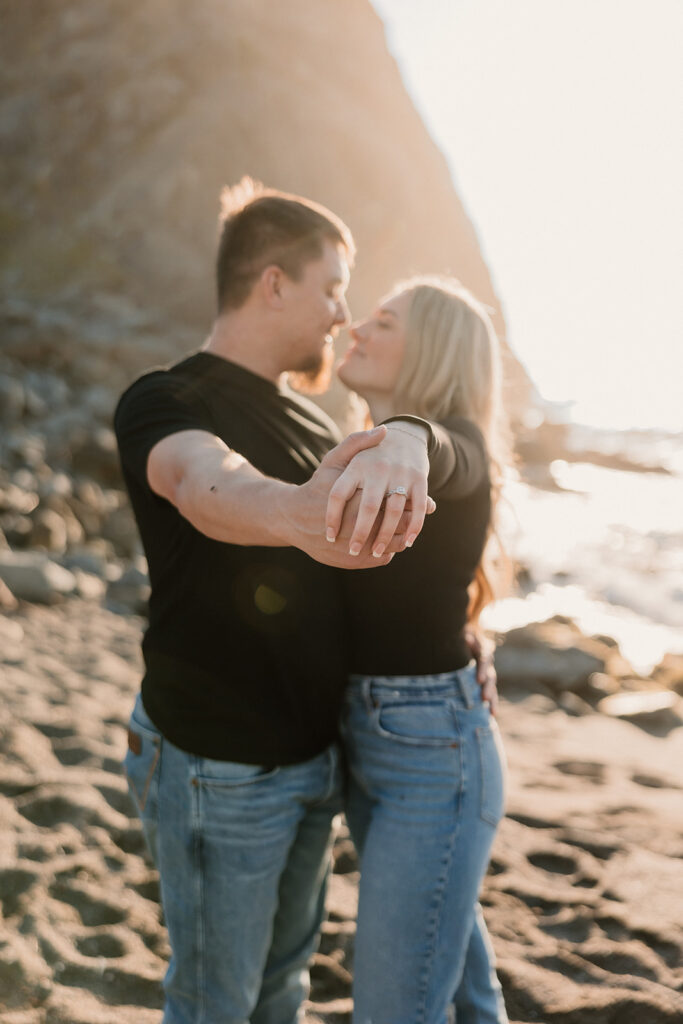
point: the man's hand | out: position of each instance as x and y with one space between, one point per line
486 672
392 475
301 511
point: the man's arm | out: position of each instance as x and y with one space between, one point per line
226 498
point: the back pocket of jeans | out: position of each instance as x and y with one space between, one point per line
141 764
417 723
492 774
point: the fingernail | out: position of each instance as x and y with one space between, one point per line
411 540
379 551
354 549
330 536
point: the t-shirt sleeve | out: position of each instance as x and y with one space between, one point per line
152 408
458 461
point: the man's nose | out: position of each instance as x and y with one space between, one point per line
343 315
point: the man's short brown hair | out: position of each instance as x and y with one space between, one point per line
261 226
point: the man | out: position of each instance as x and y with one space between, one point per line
232 757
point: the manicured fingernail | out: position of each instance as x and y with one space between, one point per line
354 549
330 535
410 540
379 551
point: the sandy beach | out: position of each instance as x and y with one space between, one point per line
584 898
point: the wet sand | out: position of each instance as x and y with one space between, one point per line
584 899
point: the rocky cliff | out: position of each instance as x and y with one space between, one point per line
122 119
119 123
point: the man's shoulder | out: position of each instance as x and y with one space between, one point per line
157 384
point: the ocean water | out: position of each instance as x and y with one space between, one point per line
607 550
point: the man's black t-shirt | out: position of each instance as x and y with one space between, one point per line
244 653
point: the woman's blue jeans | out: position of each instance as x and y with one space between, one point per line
243 854
426 794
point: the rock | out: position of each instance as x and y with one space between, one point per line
600 685
130 592
8 601
17 530
14 498
550 652
119 528
56 485
12 399
669 672
49 531
91 559
95 455
90 587
573 704
32 576
649 704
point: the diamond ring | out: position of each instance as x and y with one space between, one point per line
397 490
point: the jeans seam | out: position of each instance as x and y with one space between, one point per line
142 797
441 889
199 897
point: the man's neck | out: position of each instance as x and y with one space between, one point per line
234 338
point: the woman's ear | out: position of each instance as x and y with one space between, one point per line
271 281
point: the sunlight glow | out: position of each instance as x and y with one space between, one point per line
561 123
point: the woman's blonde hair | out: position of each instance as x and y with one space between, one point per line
452 367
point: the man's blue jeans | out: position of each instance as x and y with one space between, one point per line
426 795
243 854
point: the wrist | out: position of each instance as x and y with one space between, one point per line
415 426
410 430
279 501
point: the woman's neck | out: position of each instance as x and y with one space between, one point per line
380 406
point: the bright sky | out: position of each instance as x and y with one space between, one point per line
563 125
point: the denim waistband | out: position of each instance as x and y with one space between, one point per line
462 681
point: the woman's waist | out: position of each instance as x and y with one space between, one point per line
459 683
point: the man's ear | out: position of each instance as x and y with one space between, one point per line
271 282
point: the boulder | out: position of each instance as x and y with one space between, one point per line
669 672
8 601
552 653
32 576
130 592
643 706
49 531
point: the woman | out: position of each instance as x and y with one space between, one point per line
426 779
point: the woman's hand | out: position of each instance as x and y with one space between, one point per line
393 476
486 670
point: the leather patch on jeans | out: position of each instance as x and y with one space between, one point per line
134 742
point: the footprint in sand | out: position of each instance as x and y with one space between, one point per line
554 863
593 771
14 883
92 910
101 944
569 926
653 781
600 845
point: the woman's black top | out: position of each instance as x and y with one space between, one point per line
408 617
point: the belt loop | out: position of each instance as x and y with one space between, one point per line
366 690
